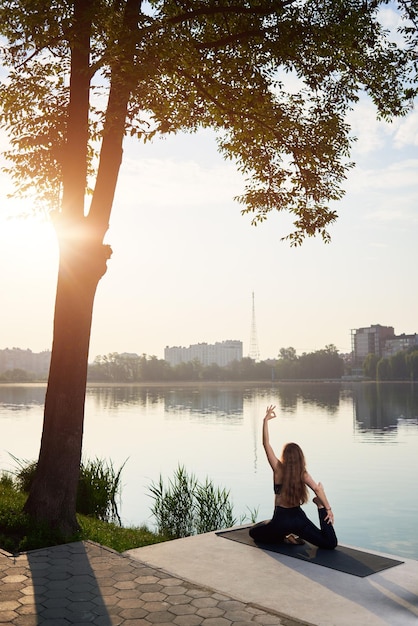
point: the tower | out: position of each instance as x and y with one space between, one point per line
254 352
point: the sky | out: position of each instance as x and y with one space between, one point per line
186 262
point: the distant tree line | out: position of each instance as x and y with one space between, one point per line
18 375
400 366
116 367
134 368
325 363
17 365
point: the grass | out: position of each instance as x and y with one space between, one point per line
181 508
117 537
18 533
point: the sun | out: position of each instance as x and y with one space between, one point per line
26 238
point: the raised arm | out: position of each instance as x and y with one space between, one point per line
271 457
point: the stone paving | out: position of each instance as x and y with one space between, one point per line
85 583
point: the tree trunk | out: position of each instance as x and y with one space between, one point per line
53 493
83 258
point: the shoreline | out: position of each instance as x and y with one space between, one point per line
214 383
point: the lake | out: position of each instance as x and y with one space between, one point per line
360 440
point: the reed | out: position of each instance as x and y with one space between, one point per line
186 507
99 486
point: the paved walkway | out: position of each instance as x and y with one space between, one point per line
84 583
202 580
298 589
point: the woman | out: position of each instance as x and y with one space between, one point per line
291 480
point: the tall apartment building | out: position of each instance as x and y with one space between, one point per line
34 362
370 340
399 343
220 353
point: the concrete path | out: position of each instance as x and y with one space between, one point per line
300 590
202 580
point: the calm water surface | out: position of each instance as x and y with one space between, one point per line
360 440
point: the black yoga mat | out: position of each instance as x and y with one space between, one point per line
343 559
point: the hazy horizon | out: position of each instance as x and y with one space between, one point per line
174 345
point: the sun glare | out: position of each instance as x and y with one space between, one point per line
30 237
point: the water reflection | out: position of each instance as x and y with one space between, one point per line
376 407
380 407
219 401
323 395
109 397
202 400
21 397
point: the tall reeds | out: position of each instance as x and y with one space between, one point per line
99 486
186 507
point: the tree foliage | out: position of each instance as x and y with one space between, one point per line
400 366
370 365
132 368
320 364
219 64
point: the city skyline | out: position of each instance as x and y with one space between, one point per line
186 262
397 339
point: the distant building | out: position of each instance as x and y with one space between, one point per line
220 353
370 340
399 343
379 340
32 362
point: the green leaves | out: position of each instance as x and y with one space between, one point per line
33 107
274 79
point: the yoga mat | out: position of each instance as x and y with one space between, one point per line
343 559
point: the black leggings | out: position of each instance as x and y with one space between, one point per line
294 520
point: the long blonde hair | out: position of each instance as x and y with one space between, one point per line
294 491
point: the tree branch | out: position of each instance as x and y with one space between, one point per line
121 84
75 162
226 109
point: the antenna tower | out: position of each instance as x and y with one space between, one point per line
254 351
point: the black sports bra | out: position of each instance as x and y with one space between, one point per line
277 488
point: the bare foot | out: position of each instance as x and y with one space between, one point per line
294 540
318 502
